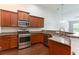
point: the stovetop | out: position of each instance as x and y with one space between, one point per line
23 32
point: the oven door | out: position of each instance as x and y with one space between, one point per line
24 39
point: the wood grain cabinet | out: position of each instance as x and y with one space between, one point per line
5 18
1 42
8 42
8 18
4 43
35 21
37 38
13 41
56 48
14 19
22 15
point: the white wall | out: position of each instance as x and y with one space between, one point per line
75 45
37 10
70 13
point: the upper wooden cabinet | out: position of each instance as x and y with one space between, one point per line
5 18
36 21
22 15
8 18
14 19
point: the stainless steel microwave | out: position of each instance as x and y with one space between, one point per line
23 23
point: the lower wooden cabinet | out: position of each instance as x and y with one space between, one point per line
5 44
13 41
56 48
8 41
37 38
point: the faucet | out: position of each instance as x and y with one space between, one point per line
61 29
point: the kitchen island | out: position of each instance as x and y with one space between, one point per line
65 38
57 48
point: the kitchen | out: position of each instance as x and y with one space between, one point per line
47 28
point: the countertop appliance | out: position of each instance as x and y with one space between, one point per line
23 39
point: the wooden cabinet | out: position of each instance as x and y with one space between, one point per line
5 18
36 21
8 41
4 43
37 38
0 18
56 48
22 15
8 18
13 41
14 20
0 43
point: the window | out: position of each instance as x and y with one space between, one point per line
76 27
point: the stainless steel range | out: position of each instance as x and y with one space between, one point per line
23 34
23 39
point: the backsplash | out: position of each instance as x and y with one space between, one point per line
9 29
14 29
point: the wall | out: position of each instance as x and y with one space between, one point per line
75 45
70 12
37 10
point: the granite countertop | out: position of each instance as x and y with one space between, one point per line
52 32
8 33
73 35
56 32
36 32
62 33
61 42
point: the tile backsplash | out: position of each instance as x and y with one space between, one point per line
9 29
14 29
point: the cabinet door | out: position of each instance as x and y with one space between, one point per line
37 37
13 41
5 20
22 15
13 19
26 16
5 44
40 22
33 21
36 21
0 18
0 43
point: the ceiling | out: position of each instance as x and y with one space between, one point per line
65 8
69 11
52 7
